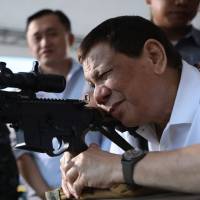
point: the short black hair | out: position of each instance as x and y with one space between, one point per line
61 16
127 35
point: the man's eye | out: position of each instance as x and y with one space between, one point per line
37 38
52 33
104 74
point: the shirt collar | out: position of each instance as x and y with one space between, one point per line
188 95
187 98
147 131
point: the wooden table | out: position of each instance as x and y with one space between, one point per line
165 196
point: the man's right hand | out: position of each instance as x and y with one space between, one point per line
91 168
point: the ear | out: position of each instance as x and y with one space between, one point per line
155 52
148 2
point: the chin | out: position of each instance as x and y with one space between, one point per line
47 60
178 23
128 123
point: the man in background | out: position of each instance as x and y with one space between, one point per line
174 17
49 39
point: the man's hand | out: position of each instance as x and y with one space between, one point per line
91 168
63 164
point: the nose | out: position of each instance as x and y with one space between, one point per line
102 94
44 41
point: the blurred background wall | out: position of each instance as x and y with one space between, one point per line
84 15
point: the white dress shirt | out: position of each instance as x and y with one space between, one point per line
183 128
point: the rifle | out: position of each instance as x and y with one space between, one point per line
40 122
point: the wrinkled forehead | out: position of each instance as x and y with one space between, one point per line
90 65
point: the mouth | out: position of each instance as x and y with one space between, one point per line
46 52
180 13
114 109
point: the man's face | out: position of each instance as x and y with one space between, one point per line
48 39
123 86
173 13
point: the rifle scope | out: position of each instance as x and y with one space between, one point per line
30 81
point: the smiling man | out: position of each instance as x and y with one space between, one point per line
140 79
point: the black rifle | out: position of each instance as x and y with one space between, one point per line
41 121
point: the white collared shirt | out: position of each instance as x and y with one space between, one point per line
183 128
